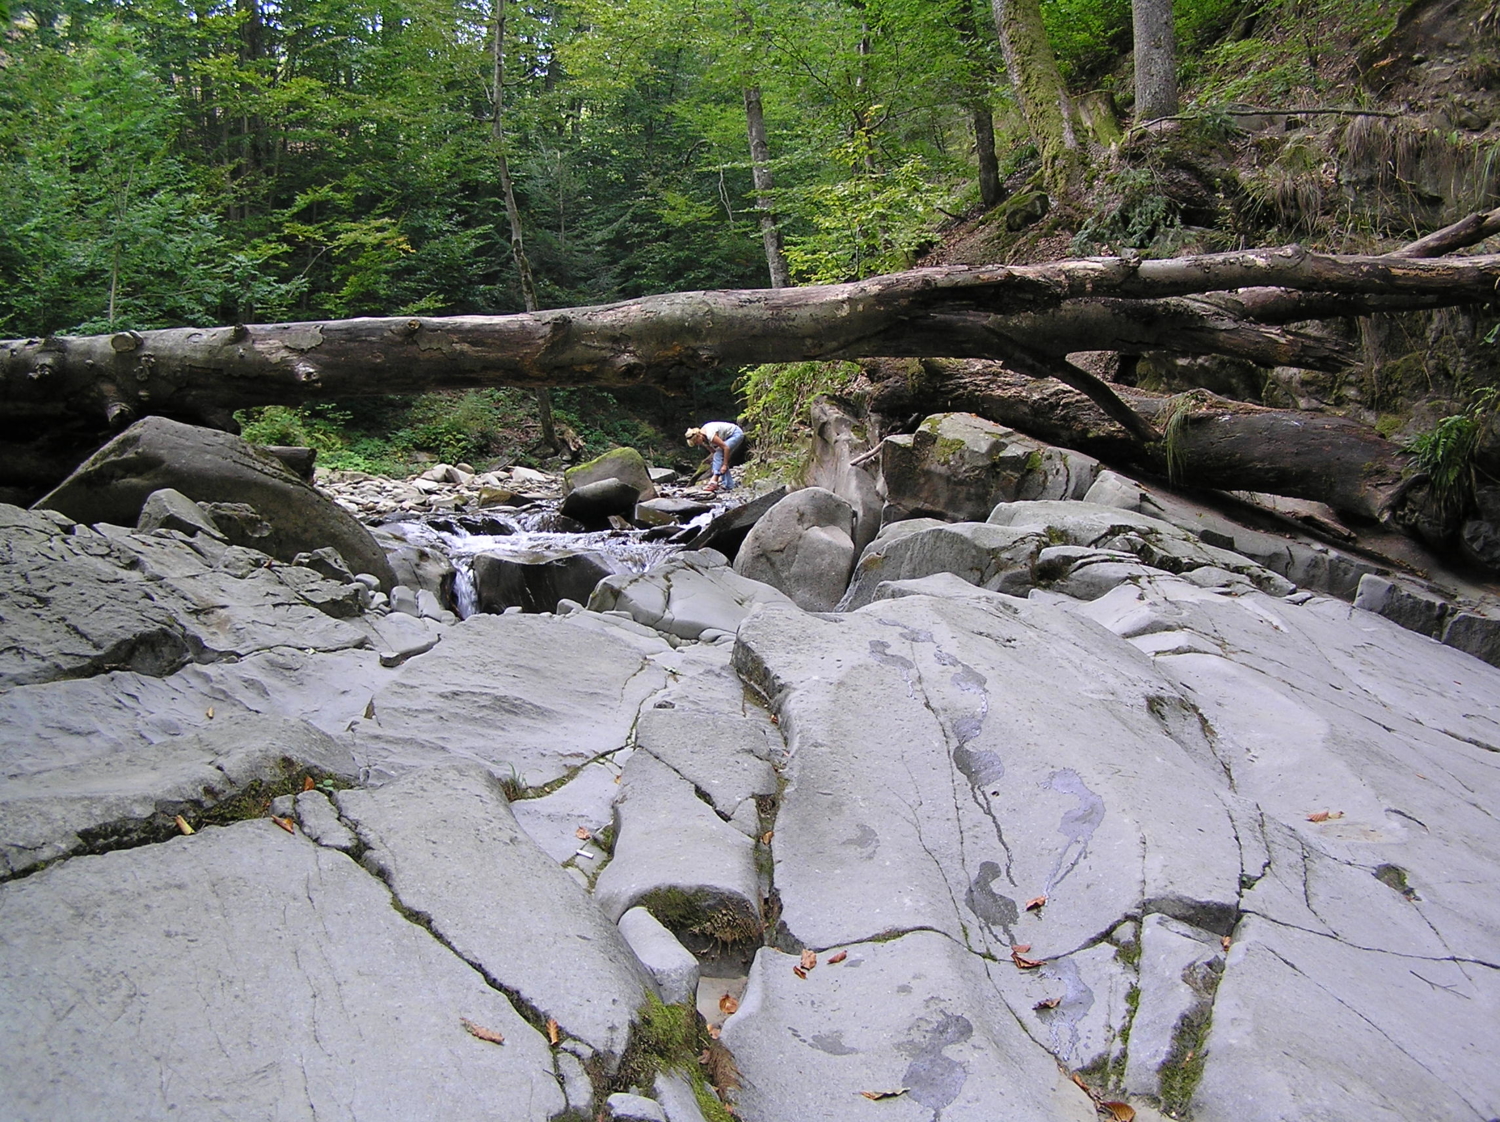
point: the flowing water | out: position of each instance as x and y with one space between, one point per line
534 534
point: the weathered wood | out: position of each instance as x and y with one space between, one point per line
1223 444
953 311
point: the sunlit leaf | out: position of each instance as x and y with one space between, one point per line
1036 903
728 1005
182 824
1119 1112
878 1095
1047 1003
553 1035
479 1032
809 959
839 957
285 823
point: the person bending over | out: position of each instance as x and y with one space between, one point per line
723 437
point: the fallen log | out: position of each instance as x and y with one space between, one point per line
1218 443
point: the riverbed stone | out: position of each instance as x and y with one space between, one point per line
169 509
957 466
915 1015
989 557
623 464
445 840
92 804
319 821
113 484
669 511
625 1107
586 801
537 580
674 855
685 595
803 546
839 438
724 756
594 503
671 965
530 696
248 973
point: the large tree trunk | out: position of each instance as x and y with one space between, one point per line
1040 91
1228 445
765 189
1155 60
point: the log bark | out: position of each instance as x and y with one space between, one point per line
1229 445
952 312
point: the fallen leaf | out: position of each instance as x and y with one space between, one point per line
1224 942
553 1035
775 720
1119 1112
1049 1003
878 1095
1020 948
285 823
308 784
765 839
1324 815
703 1055
801 973
617 779
1076 1078
182 824
479 1032
210 713
728 1005
1024 963
713 1031
582 834
809 959
833 958
1035 903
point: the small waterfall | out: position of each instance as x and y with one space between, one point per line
524 535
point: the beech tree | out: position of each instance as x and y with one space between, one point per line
1155 59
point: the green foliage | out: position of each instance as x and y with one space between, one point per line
1446 452
1086 34
1135 215
777 397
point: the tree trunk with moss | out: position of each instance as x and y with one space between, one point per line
1039 89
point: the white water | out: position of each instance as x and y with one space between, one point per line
525 543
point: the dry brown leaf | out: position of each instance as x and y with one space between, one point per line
1020 948
210 713
1048 1003
775 720
479 1032
1024 963
1076 1078
1035 903
839 957
582 834
1325 815
703 1055
713 1031
553 1035
285 823
1224 942
765 839
801 973
809 959
1118 1112
182 824
728 1005
878 1095
307 783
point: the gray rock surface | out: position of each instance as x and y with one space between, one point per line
94 803
537 581
671 965
321 822
803 546
677 1098
245 973
624 1107
674 854
172 510
990 557
726 757
593 503
204 464
957 466
667 512
685 595
445 841
532 695
838 437
726 531
915 1013
623 464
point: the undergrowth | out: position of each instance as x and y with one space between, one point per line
1447 452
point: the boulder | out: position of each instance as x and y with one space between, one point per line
728 530
535 581
416 564
991 557
1405 603
837 438
671 965
668 512
957 466
206 465
803 546
594 503
172 510
623 464
685 595
301 461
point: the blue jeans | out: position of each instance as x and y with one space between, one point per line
719 469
